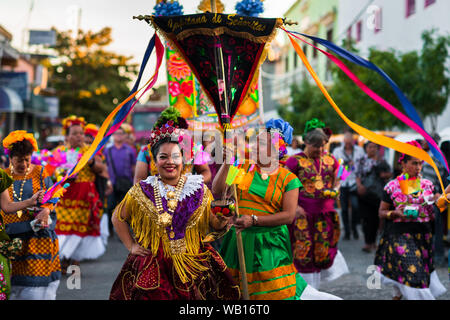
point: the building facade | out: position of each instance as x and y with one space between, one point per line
398 25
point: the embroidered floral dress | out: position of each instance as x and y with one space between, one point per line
315 236
8 247
179 268
37 264
405 251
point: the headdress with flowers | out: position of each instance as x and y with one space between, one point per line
72 121
91 129
281 132
314 124
16 136
413 143
170 124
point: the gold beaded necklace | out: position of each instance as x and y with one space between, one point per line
19 197
165 218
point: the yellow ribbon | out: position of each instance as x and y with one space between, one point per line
369 135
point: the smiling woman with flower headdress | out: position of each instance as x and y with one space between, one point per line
170 213
316 230
405 252
35 270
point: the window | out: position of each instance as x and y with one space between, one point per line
359 31
286 64
429 2
378 20
349 34
295 59
315 50
410 7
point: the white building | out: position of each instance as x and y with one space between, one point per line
396 24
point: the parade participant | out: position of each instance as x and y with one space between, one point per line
145 164
266 208
370 185
102 181
316 231
36 269
79 210
169 214
405 252
349 152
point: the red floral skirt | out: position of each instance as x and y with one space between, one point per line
155 278
314 241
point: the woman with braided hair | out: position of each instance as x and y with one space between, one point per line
315 232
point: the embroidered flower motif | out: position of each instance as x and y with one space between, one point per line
174 88
305 163
401 250
301 249
2 277
2 296
321 252
302 223
400 198
309 186
412 268
328 160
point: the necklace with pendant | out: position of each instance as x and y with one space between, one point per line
165 218
265 175
19 197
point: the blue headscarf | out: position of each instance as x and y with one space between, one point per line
283 127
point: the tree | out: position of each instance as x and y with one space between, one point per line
420 75
89 80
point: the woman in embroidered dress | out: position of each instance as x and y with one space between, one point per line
316 229
169 215
405 252
145 164
266 207
80 209
36 268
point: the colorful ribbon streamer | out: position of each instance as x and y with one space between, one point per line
369 135
122 111
407 106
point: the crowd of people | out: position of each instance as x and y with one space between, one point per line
283 229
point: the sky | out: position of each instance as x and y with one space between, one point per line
130 36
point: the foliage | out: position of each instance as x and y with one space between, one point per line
89 80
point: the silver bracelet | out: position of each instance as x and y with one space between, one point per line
254 219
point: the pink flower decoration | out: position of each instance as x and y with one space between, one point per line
2 296
401 198
425 254
174 88
401 250
2 277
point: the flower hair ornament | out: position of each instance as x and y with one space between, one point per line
16 136
72 121
91 129
413 143
170 124
281 132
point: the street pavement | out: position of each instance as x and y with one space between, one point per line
98 276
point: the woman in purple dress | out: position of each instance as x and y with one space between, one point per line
316 229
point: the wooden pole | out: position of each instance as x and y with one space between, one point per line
241 255
239 244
